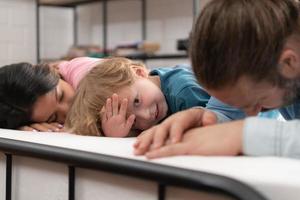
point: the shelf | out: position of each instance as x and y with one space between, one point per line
74 3
159 56
65 3
137 57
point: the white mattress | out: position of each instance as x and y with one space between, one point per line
275 178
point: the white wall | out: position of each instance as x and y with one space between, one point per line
167 21
17 31
56 31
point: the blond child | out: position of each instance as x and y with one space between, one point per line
120 95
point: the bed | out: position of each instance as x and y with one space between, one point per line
63 166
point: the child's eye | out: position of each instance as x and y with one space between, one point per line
136 102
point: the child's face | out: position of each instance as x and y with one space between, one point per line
146 101
53 106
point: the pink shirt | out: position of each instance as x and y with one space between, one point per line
74 70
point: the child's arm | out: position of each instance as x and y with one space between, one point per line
172 129
114 121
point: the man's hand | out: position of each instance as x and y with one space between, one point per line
114 122
172 129
221 139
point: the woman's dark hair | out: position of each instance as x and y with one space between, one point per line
20 86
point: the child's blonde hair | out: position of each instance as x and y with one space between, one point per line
94 89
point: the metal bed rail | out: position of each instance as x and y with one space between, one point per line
164 176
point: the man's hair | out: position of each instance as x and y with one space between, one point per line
234 38
21 85
99 84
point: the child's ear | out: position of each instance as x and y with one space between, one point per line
140 71
289 63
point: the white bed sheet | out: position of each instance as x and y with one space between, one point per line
276 178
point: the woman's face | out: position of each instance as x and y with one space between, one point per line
54 105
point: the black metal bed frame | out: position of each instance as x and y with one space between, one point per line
163 175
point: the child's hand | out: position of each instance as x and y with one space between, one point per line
43 127
113 118
172 129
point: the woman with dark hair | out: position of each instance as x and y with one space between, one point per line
33 94
38 97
